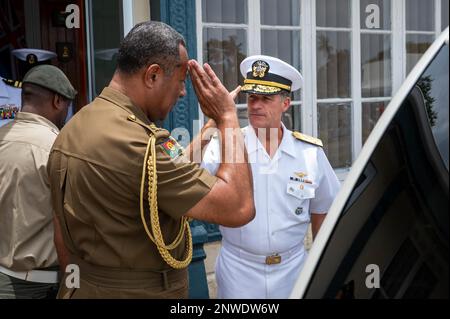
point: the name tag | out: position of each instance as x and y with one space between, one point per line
306 192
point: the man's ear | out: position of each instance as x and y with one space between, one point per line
57 101
286 103
152 74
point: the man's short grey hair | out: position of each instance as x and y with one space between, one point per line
285 94
149 43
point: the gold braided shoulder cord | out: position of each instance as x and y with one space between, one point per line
155 234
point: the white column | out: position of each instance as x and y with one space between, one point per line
254 27
398 44
308 49
127 13
438 17
199 30
356 80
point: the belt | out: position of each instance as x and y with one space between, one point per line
41 276
128 278
271 259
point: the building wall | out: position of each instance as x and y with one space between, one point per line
353 54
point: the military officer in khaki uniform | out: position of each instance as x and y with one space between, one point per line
123 189
28 261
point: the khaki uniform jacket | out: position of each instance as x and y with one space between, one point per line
26 213
95 170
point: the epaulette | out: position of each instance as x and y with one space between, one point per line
131 117
307 139
16 84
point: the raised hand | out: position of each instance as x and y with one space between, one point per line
215 101
235 92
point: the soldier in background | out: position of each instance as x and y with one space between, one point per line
28 261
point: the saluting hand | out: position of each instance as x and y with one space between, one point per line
235 92
215 101
211 123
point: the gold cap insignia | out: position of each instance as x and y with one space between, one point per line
260 68
31 59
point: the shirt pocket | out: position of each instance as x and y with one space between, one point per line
299 195
301 191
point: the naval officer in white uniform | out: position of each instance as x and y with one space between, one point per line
11 90
294 184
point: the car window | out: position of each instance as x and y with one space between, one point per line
434 87
392 237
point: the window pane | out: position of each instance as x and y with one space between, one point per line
242 117
335 133
444 14
284 45
280 12
221 11
376 14
107 33
292 118
224 50
416 45
333 64
376 65
371 112
434 87
419 15
333 13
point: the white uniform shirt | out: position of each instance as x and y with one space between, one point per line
298 180
10 97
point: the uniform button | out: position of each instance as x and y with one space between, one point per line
132 117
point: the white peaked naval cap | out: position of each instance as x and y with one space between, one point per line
268 75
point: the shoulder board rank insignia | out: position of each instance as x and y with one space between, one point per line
151 126
307 139
16 84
